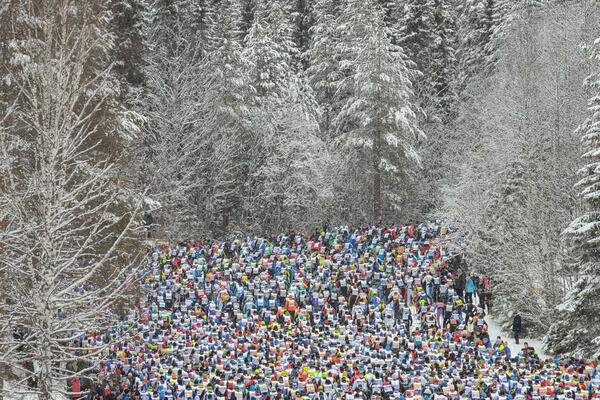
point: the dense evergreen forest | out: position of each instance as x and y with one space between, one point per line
235 116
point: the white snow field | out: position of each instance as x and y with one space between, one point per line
495 330
11 396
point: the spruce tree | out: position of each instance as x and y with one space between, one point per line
270 49
226 128
443 56
324 72
248 8
500 15
302 18
577 329
286 181
426 30
476 25
168 149
126 23
377 121
416 33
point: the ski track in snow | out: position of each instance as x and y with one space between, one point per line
495 330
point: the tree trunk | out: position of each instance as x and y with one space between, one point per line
377 149
2 373
226 212
377 176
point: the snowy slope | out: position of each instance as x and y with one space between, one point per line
495 330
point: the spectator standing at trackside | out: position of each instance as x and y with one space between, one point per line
459 284
484 294
516 327
469 290
477 283
148 220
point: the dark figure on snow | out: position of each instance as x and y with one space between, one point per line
148 220
516 327
460 284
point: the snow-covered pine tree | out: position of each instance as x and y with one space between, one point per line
173 21
426 30
443 56
416 33
302 17
248 8
577 327
126 24
481 29
475 26
63 202
440 102
169 159
286 181
378 121
271 50
324 72
503 12
226 108
390 10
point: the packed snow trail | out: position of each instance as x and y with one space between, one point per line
495 330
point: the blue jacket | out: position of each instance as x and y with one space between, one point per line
470 286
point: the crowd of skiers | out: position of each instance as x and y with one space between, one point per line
369 313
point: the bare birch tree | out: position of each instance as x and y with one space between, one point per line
63 200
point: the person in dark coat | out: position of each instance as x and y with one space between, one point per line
460 284
516 327
148 220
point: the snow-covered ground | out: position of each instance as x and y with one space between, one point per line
10 395
495 330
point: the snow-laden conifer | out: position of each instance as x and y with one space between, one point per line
378 122
577 329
